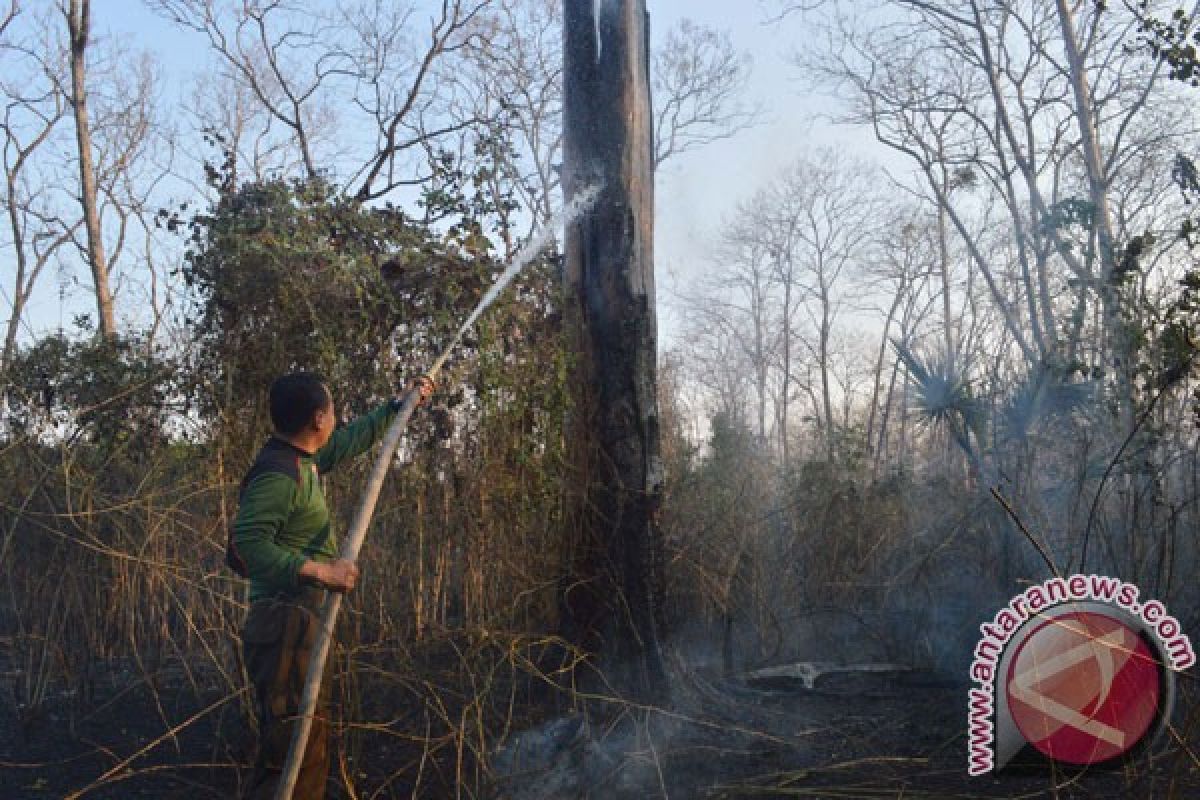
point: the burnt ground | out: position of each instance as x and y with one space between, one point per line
852 739
902 738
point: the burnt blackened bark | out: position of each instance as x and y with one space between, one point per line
612 593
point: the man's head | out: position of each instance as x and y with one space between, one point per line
302 407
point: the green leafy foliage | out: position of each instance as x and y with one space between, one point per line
294 275
112 392
1173 41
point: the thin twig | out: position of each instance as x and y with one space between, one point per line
1039 546
1141 420
108 777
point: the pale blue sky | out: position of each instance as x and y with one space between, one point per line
694 191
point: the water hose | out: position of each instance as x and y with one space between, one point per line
366 507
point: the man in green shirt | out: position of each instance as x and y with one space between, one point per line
282 541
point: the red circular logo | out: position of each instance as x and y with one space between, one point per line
1083 688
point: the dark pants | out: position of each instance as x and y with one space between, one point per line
277 638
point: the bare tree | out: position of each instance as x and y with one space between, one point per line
279 50
225 109
1038 104
401 91
777 288
715 363
731 320
300 67
824 208
920 102
9 15
902 261
34 107
92 190
698 80
79 26
516 79
698 83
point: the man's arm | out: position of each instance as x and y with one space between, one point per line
358 436
354 438
263 510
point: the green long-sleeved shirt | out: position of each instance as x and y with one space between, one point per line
282 519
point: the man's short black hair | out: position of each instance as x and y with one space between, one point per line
295 398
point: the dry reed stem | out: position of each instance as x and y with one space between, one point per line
111 775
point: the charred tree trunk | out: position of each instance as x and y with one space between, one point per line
611 595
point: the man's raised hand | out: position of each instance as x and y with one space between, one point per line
424 385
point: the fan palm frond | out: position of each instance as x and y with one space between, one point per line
943 393
1041 397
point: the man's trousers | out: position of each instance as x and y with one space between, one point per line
277 640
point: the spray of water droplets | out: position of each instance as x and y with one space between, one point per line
578 205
